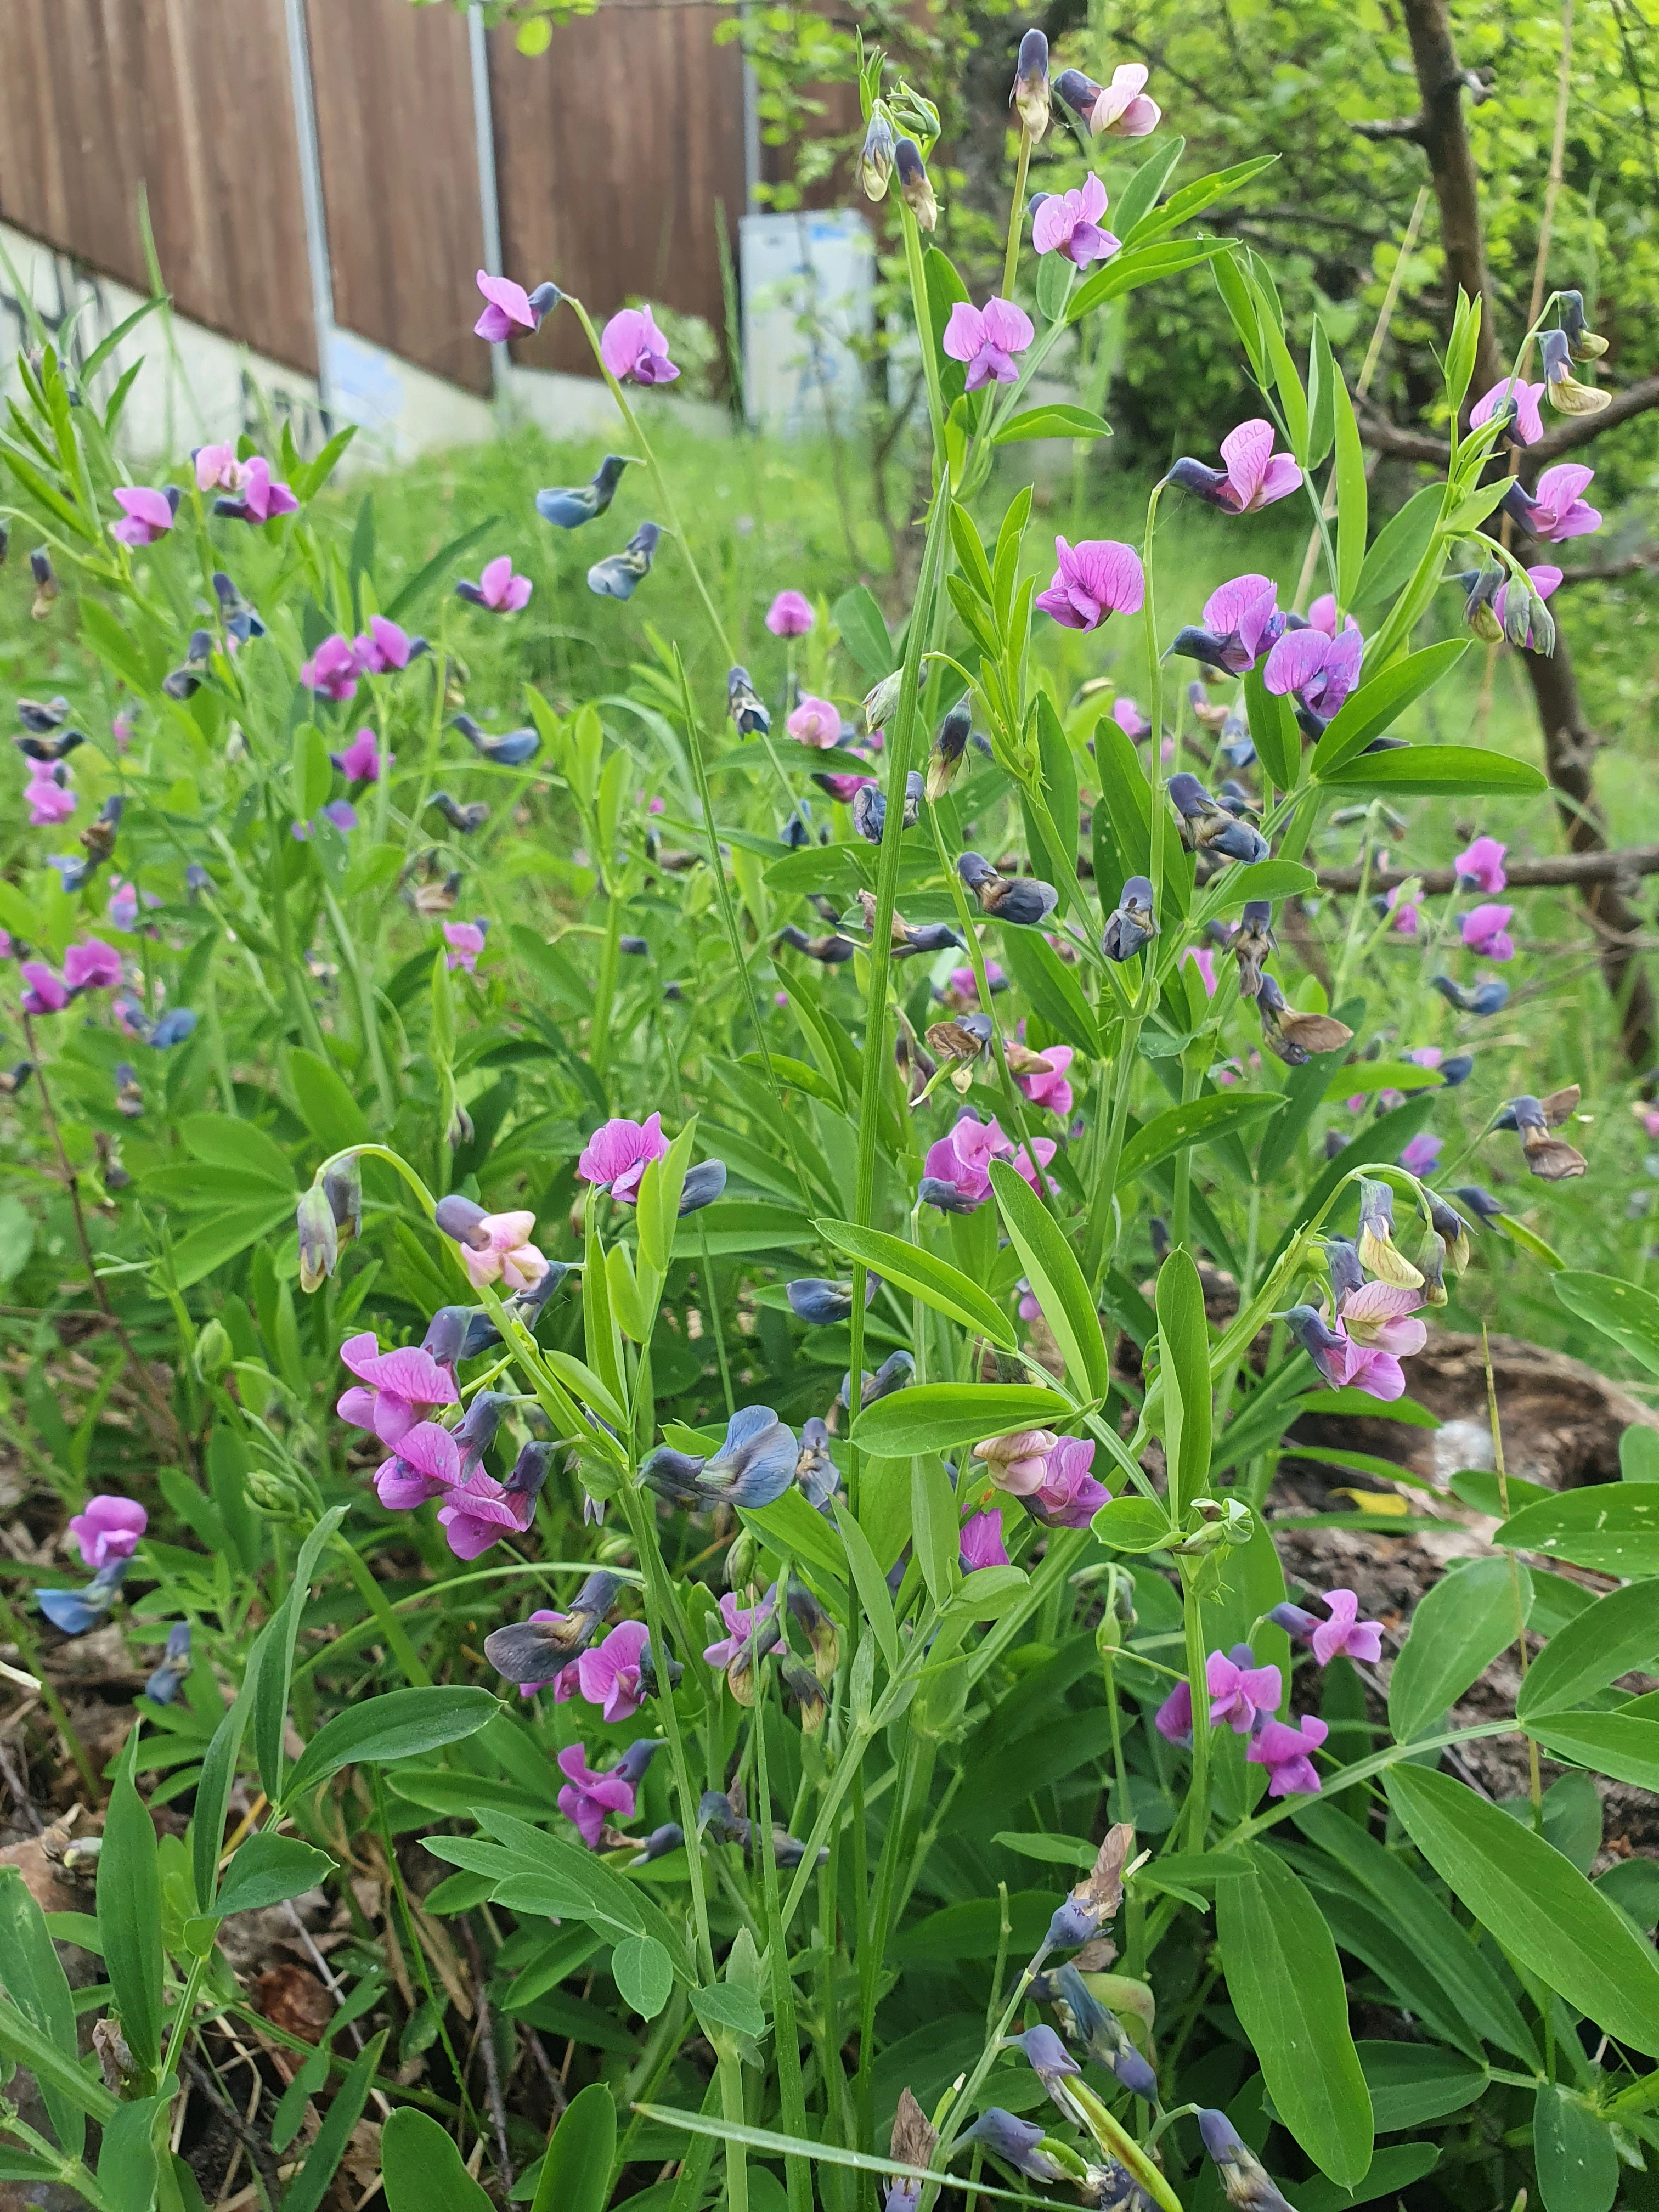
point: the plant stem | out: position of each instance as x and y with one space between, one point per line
1017 214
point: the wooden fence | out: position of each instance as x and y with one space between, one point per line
613 154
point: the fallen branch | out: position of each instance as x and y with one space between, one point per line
1608 572
1575 868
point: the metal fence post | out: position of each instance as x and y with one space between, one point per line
311 192
489 203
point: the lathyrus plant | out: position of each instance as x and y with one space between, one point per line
878 1584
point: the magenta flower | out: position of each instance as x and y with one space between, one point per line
1123 111
332 671
479 1511
815 722
1340 1360
361 761
587 1797
608 1674
843 788
962 985
1321 615
426 1464
1174 1718
1528 424
1486 931
466 940
631 346
1380 1314
146 514
1052 1090
1203 958
1069 223
1558 510
1422 1155
1126 713
617 1154
1068 1496
387 646
1255 476
497 587
1405 911
1545 581
393 1390
743 1626
263 499
1345 1632
1424 1055
47 794
217 469
987 338
790 614
1096 578
1241 621
510 312
956 1170
981 1544
45 994
1018 1463
1239 1689
123 908
93 966
107 1527
1028 1169
507 1255
1317 671
1482 864
1286 1752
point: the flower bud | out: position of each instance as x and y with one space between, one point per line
1478 611
876 160
1566 395
461 1218
1582 344
342 1185
276 1493
1029 97
320 1241
881 699
214 1352
948 748
45 584
913 183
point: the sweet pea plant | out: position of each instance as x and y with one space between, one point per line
706 1513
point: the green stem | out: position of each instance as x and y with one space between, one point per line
1198 1793
785 2037
1016 214
378 1603
605 985
922 309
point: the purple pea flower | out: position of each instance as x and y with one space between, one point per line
359 763
510 312
981 1542
987 338
1017 2143
1482 865
1486 931
632 346
45 993
1528 425
146 514
1558 509
1118 110
93 966
48 795
587 1797
1544 582
479 1511
1317 671
332 671
386 648
1245 2180
1069 223
1286 1752
107 1527
465 941
1422 1156
1240 1690
261 498
1095 578
608 1674
1255 476
790 614
1343 1633
1126 713
1241 621
1068 1496
393 1390
497 587
617 1154
743 1626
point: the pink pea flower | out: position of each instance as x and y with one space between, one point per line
987 338
955 1172
107 1527
394 1389
1317 671
263 499
1380 1315
1253 477
93 966
507 1255
1424 1055
790 614
1648 1116
466 940
1239 1689
45 993
388 647
1528 424
1545 580
359 763
1486 931
981 1544
1203 958
1068 1496
843 789
743 1626
217 469
1482 864
1344 1632
123 908
1422 1155
815 722
1096 578
497 587
426 1462
1123 111
332 671
1405 911
121 730
1286 1752
1322 616
1126 713
146 514
1019 1463
1069 223
608 1674
509 310
1052 1090
1558 508
631 346
962 985
1343 1362
587 1797
617 1154
1241 621
47 794
1174 1718
478 1511
1028 1169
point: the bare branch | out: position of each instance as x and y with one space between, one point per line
1609 572
1395 126
1578 430
1561 869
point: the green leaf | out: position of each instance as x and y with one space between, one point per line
130 1914
402 1725
124 329
1131 1524
575 2174
1612 1527
231 1231
935 1526
22 2042
987 1593
1285 1985
126 2156
225 1140
327 1107
872 1583
1535 1902
1198 1121
1380 702
1411 2083
275 1674
1055 420
1292 397
1050 989
1400 545
1321 398
1615 1636
1437 771
728 2008
34 1980
1394 2167
1274 731
310 2185
1353 494
1192 199
939 1416
863 632
1057 1281
311 777
1618 1744
269 1869
789 1524
644 1974
1136 202
423 2171
1462 1624
1621 1310
934 1282
1577 2162
1260 879
1184 1335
